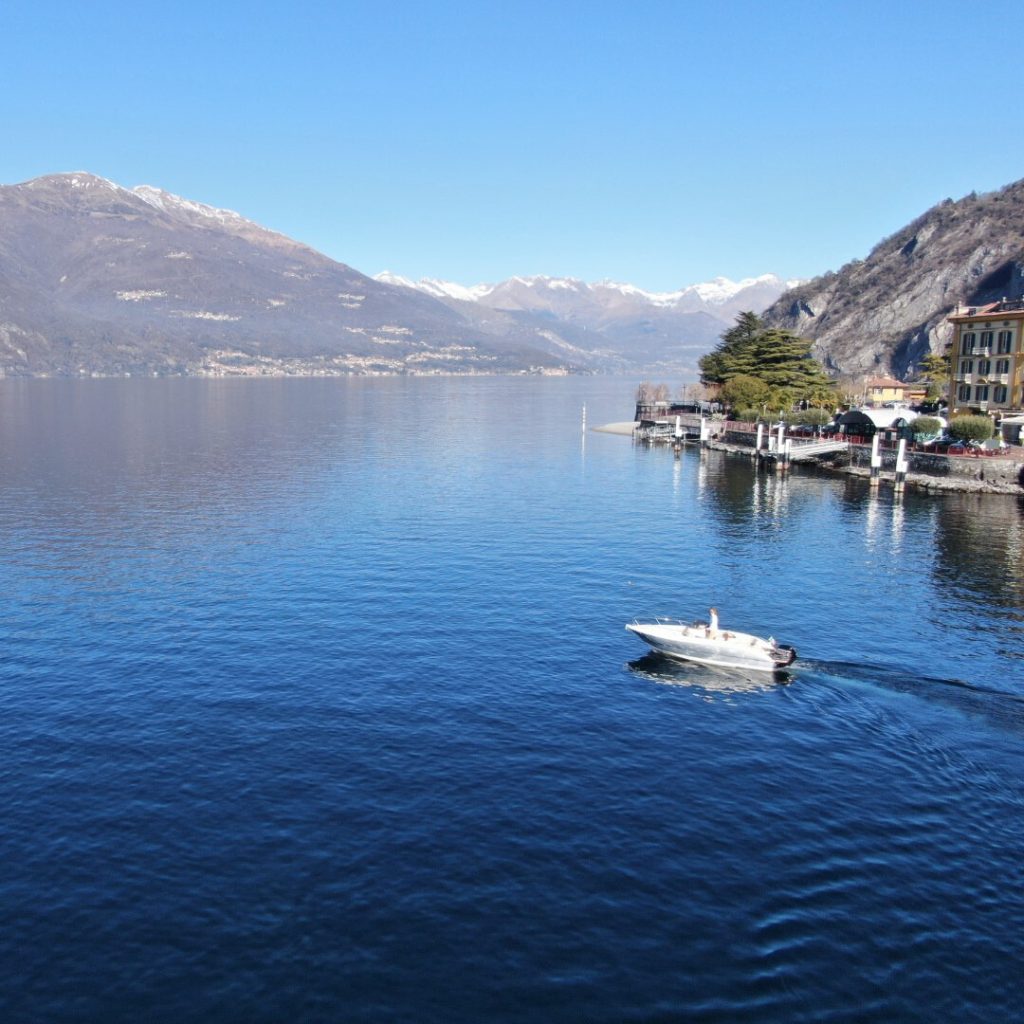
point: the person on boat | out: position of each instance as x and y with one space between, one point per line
712 631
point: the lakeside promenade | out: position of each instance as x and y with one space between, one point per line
970 472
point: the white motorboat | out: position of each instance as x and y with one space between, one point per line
709 645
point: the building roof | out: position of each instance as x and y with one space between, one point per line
993 309
885 382
881 418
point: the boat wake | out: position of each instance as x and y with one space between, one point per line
1002 706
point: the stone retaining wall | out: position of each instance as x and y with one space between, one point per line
982 469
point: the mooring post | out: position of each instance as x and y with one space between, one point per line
779 447
901 464
760 438
876 461
583 427
781 456
705 432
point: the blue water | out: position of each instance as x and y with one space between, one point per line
317 705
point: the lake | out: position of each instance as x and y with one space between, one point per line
318 705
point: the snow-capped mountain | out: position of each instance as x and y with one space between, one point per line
623 322
721 297
439 289
97 278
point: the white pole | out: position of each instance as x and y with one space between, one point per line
679 429
583 428
901 464
876 461
788 453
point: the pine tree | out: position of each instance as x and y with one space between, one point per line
936 369
778 358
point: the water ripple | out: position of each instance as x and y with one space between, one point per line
315 711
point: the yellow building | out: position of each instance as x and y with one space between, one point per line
986 360
879 390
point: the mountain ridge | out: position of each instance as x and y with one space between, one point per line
886 312
664 332
707 295
98 278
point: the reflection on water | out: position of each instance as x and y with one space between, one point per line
660 669
745 493
896 530
884 519
979 545
978 539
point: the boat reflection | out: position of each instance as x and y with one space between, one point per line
661 669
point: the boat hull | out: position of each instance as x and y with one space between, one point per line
724 649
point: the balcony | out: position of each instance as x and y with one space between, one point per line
965 378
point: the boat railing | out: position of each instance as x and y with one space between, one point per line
661 620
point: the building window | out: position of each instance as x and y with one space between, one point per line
1005 341
981 393
986 339
1002 366
967 346
1000 395
964 393
967 366
984 367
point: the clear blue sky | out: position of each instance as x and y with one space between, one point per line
656 143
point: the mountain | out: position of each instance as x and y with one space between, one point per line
618 322
97 278
888 311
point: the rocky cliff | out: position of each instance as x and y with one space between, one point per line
885 312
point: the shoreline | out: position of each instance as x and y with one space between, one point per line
922 481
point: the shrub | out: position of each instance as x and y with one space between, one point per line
925 427
746 415
971 428
812 417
